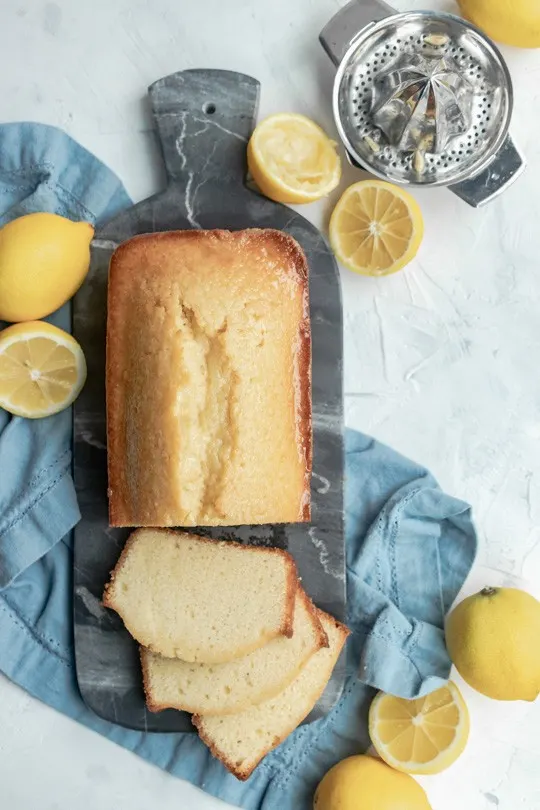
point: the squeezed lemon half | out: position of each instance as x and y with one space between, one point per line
292 160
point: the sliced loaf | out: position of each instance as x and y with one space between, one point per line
239 684
209 601
241 740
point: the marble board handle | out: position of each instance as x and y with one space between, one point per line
204 119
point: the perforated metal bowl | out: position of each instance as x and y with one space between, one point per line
422 98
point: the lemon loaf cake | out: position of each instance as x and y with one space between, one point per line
209 380
236 685
241 740
209 601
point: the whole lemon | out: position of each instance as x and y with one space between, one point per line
493 638
364 783
514 22
44 259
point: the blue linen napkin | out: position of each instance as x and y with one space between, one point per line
42 169
409 546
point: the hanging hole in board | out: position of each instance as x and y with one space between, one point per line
209 108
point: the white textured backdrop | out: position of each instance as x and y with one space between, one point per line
441 360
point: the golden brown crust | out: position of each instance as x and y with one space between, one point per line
106 601
122 512
340 627
303 366
240 774
322 638
150 704
238 771
116 445
243 773
286 627
287 623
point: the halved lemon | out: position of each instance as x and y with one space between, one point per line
292 159
42 369
423 736
376 228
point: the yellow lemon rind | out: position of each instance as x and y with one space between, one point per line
37 329
509 28
44 259
272 185
490 638
414 243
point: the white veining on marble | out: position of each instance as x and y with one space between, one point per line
91 603
104 244
89 438
324 555
193 187
211 122
181 138
324 483
322 420
188 199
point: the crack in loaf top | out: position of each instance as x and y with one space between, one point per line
209 379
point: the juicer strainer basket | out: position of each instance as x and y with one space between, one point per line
422 98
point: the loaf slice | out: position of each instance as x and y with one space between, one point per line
234 686
208 380
202 600
241 740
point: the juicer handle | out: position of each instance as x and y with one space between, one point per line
344 27
506 167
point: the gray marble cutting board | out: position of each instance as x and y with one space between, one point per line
203 119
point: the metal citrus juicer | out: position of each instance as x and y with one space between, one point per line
422 98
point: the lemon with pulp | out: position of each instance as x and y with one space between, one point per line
42 369
423 736
44 259
365 783
493 639
292 160
513 22
376 228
